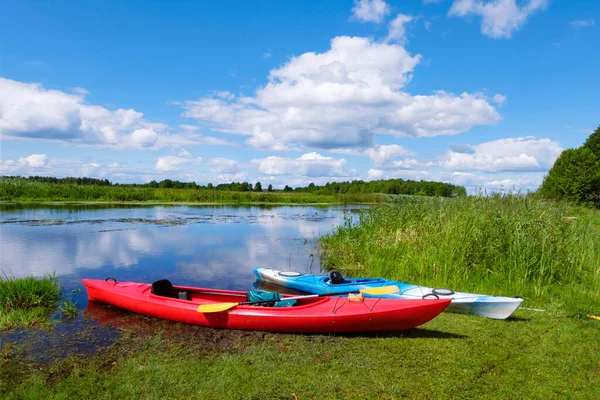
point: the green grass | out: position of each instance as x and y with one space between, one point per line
549 253
27 301
534 356
22 190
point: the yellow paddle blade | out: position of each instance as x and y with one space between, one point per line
381 290
216 307
594 317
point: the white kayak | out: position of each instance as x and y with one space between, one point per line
497 307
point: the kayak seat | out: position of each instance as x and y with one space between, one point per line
335 277
164 288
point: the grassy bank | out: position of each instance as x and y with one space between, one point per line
513 245
27 301
533 356
22 190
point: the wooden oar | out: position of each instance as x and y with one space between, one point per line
218 307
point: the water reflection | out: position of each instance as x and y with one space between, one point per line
203 246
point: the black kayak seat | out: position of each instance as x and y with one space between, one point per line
164 288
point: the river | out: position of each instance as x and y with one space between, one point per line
206 246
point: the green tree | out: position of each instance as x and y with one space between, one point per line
257 187
575 176
287 189
270 188
593 143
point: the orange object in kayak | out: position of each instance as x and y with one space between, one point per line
311 314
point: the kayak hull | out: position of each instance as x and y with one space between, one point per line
496 307
316 314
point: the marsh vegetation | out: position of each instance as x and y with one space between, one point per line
547 252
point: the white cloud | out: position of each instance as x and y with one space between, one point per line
382 155
26 165
144 137
228 178
34 161
172 163
500 18
309 164
508 183
265 140
397 32
29 110
427 25
583 22
411 163
114 165
510 154
375 174
267 54
184 153
499 99
370 10
340 99
224 165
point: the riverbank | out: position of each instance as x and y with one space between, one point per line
534 355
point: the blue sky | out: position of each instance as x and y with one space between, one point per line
480 93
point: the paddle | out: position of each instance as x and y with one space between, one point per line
218 307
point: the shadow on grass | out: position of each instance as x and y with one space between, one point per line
517 319
414 333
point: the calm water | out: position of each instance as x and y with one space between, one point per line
208 246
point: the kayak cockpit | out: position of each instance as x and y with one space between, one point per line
164 289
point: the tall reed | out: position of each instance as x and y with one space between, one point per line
510 245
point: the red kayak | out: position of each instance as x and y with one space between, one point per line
309 314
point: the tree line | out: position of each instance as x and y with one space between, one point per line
575 175
389 186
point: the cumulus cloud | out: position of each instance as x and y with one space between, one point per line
383 155
397 32
510 154
224 165
340 99
29 110
265 140
499 99
500 18
309 164
25 165
411 163
173 163
34 161
370 10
